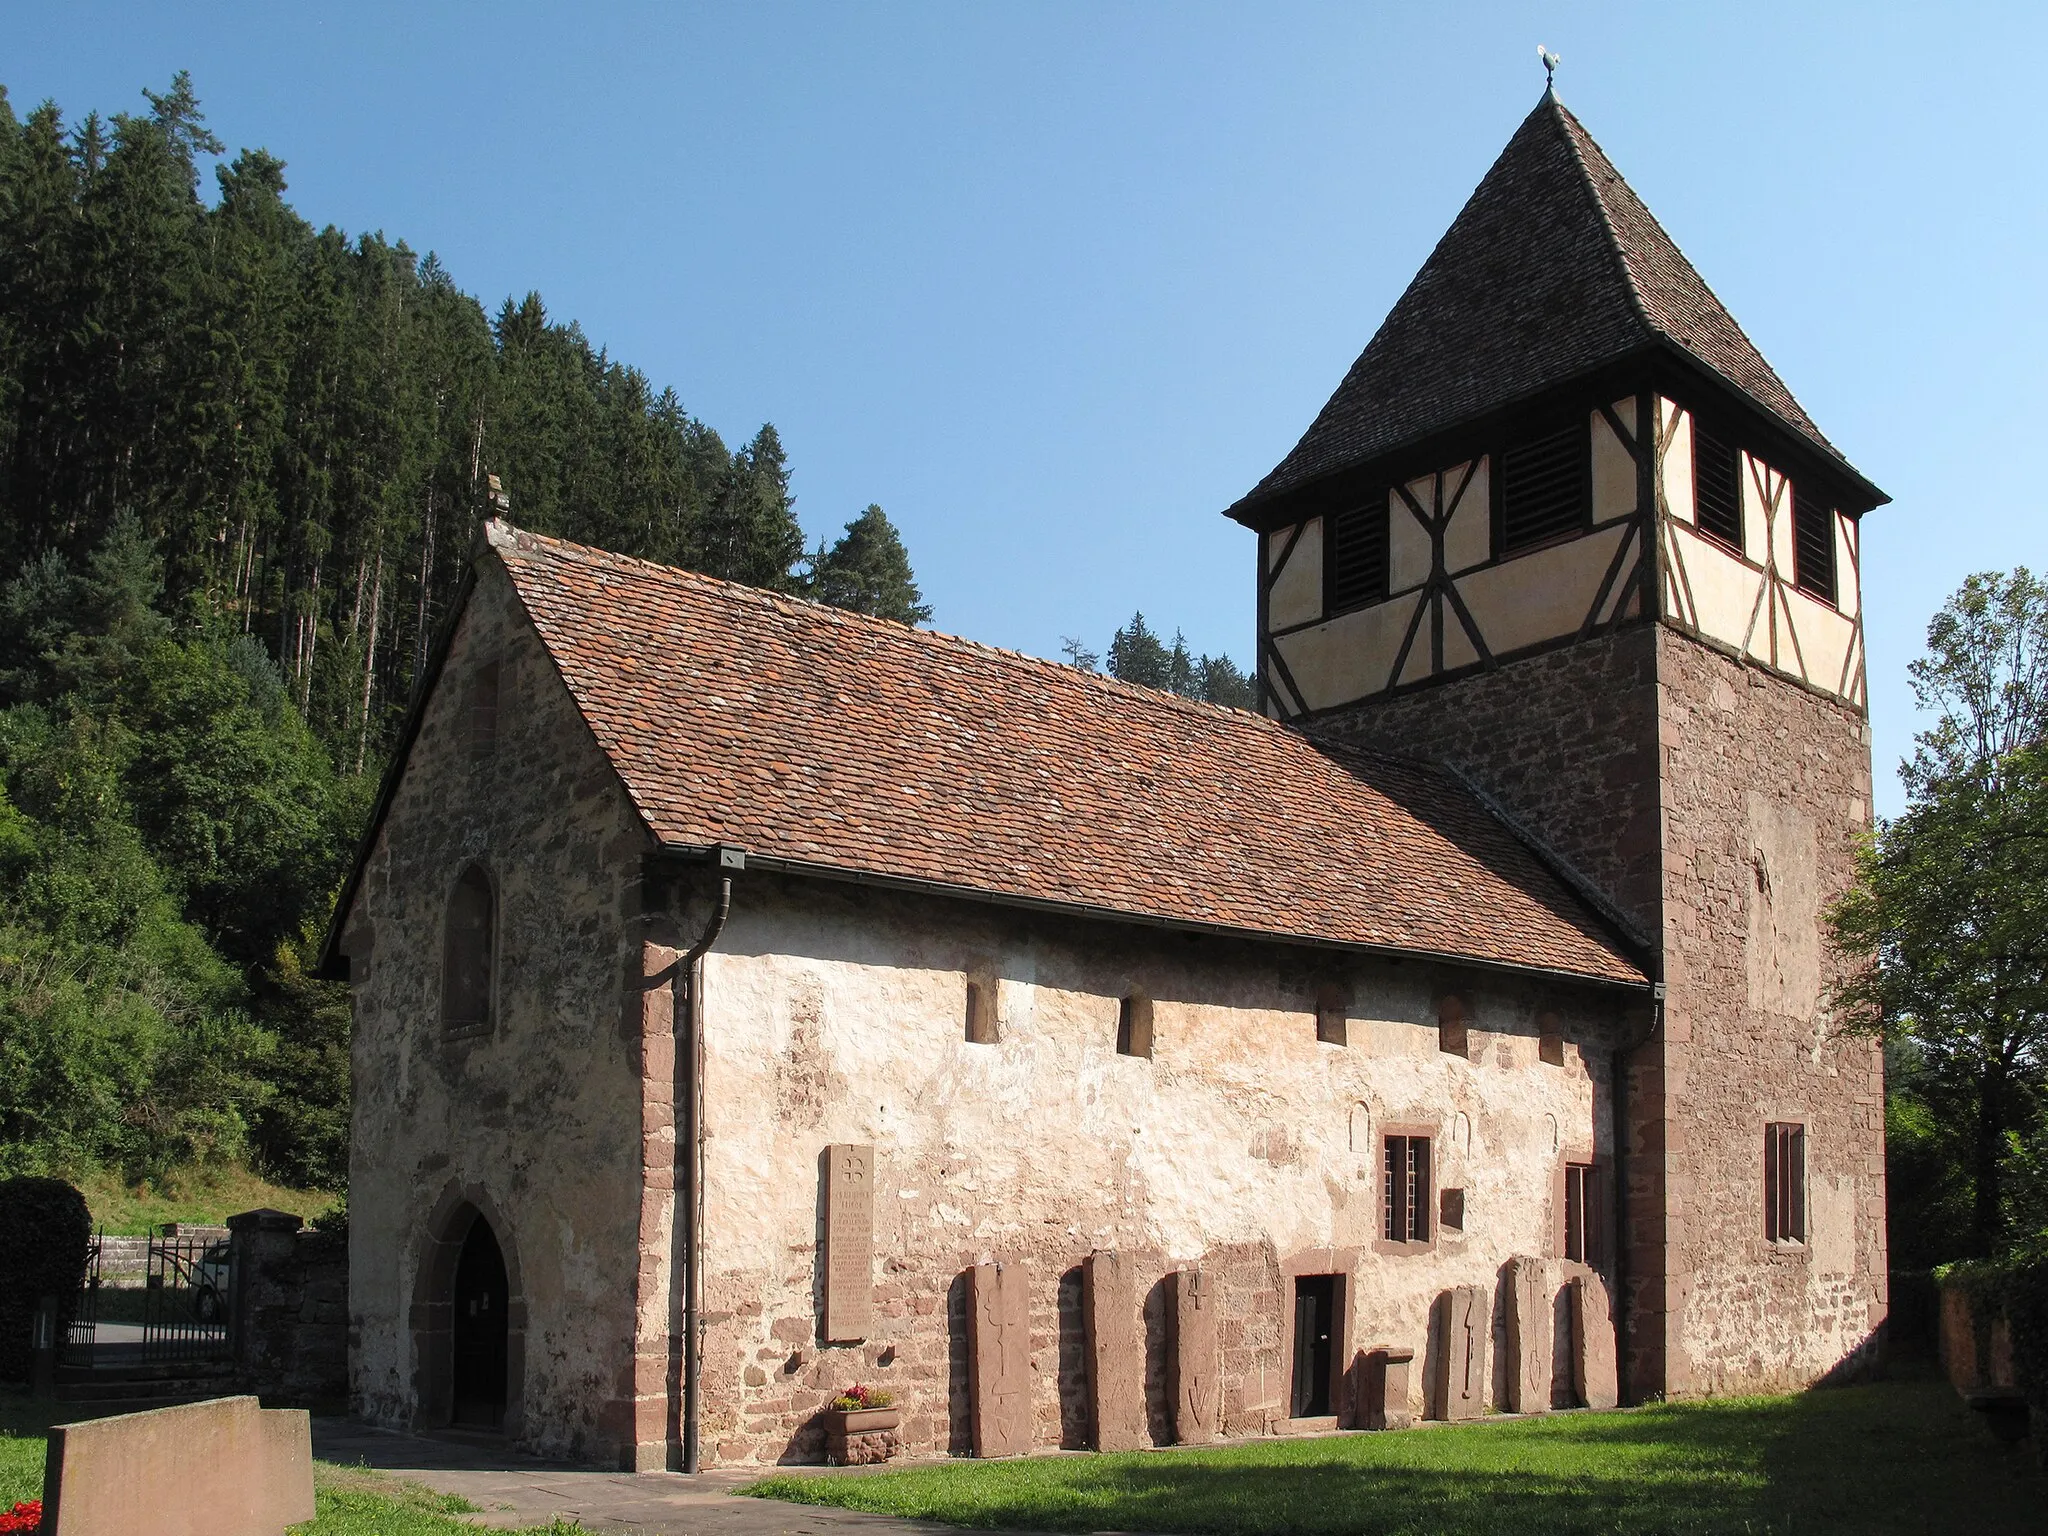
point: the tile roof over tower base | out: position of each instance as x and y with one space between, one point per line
832 743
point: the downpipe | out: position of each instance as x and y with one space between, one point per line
689 984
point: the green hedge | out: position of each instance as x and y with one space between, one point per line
45 1234
2019 1290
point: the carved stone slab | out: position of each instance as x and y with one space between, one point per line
849 1243
999 1349
1593 1374
1193 1386
1116 1354
1383 1391
1464 1323
1530 1323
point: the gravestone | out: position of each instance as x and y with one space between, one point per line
1464 1325
1193 1387
1593 1373
999 1348
1116 1354
1531 1322
849 1243
228 1467
1383 1395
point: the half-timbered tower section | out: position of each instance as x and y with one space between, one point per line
1562 527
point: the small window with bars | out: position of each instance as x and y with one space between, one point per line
1407 1190
1785 1183
1717 486
1584 1215
1545 490
1357 556
1813 543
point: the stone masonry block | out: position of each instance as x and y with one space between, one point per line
1116 1353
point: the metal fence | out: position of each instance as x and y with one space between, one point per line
78 1338
189 1292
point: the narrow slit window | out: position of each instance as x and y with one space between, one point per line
1452 1036
1406 1190
1544 487
1134 1026
467 942
1357 557
1813 544
981 1013
1785 1183
483 711
1717 487
1584 1216
1333 1016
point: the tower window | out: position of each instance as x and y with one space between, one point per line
1452 1036
1544 487
1406 1190
1357 556
1813 544
466 955
1583 1214
1717 486
1134 1026
1785 1183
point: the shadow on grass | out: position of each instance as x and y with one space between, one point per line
1871 1459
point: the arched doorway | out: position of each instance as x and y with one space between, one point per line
479 1331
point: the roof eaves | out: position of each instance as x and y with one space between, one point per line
696 853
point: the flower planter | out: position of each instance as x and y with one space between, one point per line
858 1437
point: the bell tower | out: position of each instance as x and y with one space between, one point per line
1563 527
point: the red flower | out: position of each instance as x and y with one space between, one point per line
23 1519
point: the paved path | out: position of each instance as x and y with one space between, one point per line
515 1491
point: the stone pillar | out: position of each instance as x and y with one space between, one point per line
1116 1353
647 1418
1193 1384
1593 1376
1464 1327
999 1355
262 1243
1383 1392
1529 1334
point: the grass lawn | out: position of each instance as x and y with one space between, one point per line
206 1196
1900 1456
351 1501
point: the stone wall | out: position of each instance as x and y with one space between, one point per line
1244 1147
1718 805
290 1319
534 1124
1766 787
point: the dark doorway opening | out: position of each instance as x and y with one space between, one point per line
1315 1320
480 1331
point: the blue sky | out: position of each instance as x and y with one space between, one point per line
1056 283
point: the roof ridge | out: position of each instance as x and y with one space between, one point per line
937 638
1567 122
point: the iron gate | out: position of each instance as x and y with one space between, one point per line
85 1308
189 1292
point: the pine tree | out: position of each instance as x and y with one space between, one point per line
1136 655
749 533
868 570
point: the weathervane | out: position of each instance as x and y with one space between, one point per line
1550 63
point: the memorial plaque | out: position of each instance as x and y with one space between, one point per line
1464 1322
849 1243
1593 1373
1530 1323
1116 1353
999 1351
1193 1387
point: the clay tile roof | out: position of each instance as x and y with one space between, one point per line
844 743
1553 268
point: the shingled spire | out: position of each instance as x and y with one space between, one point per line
1553 269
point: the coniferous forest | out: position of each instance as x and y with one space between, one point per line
242 461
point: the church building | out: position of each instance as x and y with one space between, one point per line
753 999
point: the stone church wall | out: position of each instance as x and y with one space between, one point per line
535 1124
1245 1147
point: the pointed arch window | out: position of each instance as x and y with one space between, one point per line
468 942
